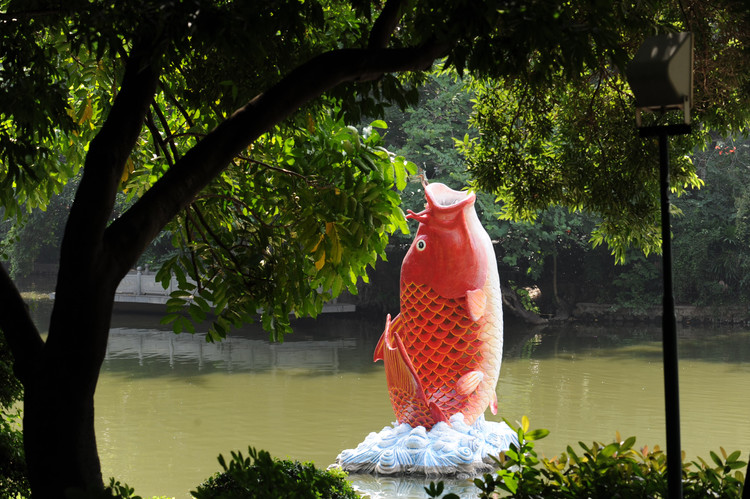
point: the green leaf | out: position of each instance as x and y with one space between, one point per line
627 444
197 314
609 450
334 241
537 434
733 456
168 318
511 481
716 459
736 464
175 303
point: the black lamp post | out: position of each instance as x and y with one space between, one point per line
661 77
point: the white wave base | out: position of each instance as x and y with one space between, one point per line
447 450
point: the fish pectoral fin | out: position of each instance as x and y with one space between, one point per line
386 337
476 303
493 403
468 383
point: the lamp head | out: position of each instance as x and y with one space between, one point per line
661 74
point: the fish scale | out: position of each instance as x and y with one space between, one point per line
442 363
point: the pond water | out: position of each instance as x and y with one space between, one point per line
167 405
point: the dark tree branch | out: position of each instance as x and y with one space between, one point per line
385 25
105 161
180 107
190 239
25 15
15 322
88 274
276 168
158 140
167 133
212 236
132 232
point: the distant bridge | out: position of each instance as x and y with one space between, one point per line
141 286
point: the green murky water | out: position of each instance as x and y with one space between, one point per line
168 405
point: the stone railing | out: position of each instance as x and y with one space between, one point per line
143 282
141 286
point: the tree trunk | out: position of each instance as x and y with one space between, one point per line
59 437
59 433
562 308
512 304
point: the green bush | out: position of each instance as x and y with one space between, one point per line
261 476
602 471
115 490
13 479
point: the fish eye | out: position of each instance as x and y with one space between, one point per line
421 245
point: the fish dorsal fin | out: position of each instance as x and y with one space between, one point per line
476 303
468 383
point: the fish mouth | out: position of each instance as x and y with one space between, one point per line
441 197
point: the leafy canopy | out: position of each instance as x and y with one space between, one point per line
297 223
293 221
299 214
569 139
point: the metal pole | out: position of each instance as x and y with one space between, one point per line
669 333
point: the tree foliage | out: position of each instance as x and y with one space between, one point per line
287 242
574 143
710 246
432 134
711 238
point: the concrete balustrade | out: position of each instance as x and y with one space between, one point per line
141 286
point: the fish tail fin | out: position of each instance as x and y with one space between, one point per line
386 339
380 347
437 413
406 391
400 372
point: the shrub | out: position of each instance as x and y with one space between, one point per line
115 490
602 471
13 479
261 476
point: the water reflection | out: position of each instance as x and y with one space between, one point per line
237 353
389 488
168 404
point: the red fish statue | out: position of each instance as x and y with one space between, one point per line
442 352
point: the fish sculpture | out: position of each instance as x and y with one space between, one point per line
442 352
